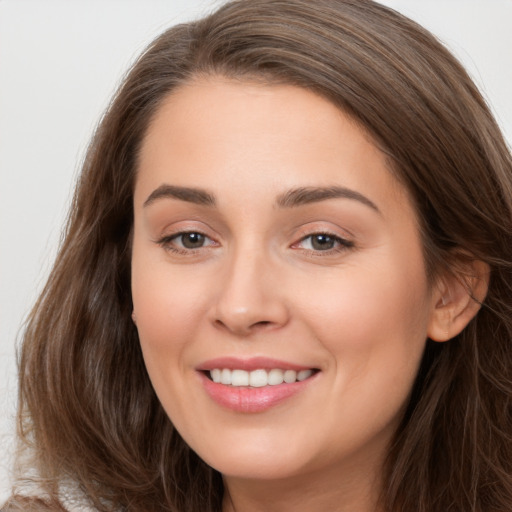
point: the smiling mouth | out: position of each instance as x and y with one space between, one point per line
258 378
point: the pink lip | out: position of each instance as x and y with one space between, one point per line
247 399
254 363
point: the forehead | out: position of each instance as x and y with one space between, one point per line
213 131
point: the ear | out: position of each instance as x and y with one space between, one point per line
134 318
457 298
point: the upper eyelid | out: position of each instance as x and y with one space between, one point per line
170 231
307 231
177 234
325 226
344 240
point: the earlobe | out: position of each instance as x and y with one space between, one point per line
457 298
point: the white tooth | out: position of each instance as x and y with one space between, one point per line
290 376
258 378
225 376
304 374
239 378
275 376
215 374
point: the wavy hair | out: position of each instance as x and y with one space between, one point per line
87 411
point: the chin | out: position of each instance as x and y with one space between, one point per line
264 468
259 459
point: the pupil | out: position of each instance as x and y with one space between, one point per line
322 242
192 240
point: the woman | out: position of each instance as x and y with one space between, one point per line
286 279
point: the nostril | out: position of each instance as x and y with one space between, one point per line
244 329
260 325
219 324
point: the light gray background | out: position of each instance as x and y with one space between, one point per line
59 63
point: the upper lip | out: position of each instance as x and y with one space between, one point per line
250 364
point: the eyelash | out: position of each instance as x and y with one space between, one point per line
166 242
342 244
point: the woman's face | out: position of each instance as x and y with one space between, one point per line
273 249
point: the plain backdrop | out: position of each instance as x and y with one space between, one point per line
60 61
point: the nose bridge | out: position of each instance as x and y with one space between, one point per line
248 298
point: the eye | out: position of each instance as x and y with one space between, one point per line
323 242
185 241
190 240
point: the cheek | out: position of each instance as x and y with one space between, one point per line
169 309
374 327
372 315
167 320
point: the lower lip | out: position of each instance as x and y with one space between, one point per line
251 400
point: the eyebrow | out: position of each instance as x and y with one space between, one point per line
188 194
290 199
307 195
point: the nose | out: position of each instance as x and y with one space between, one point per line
250 297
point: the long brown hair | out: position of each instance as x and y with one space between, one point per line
88 413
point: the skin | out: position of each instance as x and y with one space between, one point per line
359 312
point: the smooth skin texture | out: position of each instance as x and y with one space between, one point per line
238 270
